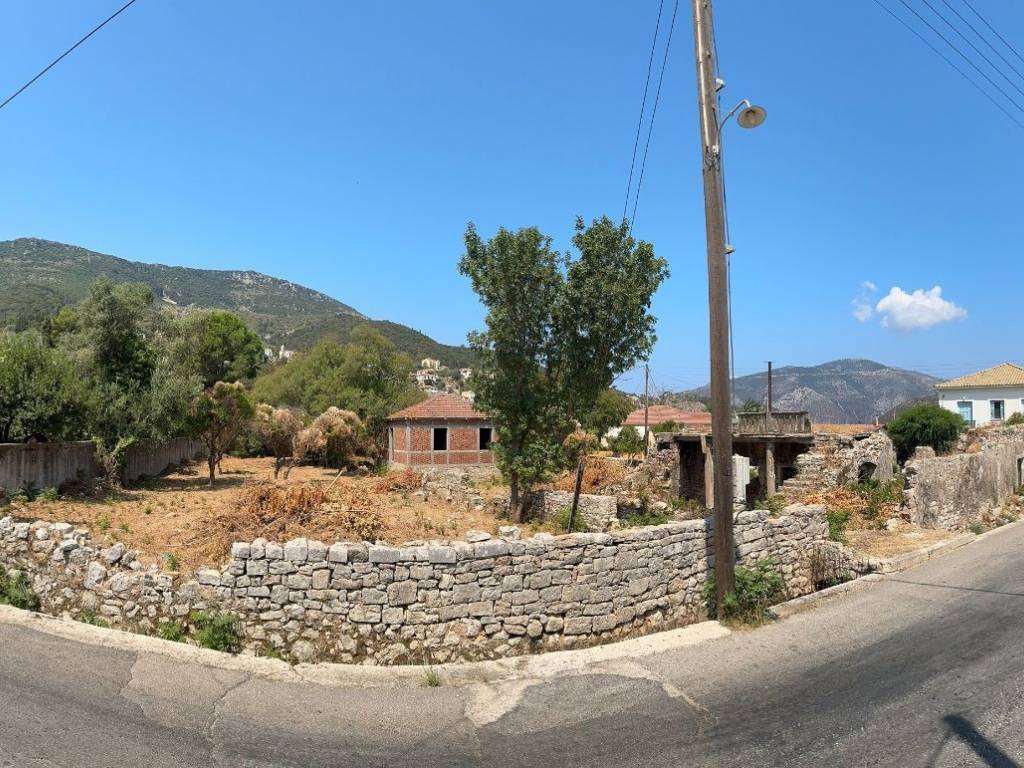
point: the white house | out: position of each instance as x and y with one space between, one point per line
985 397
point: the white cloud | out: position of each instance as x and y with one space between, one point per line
918 310
862 304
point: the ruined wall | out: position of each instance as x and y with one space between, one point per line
952 492
836 460
420 603
45 465
597 511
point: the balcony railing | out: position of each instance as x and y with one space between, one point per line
775 423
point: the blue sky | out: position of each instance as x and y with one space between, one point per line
346 145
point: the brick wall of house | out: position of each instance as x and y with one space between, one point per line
412 444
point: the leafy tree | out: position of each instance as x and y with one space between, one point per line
41 395
367 376
609 410
219 346
343 436
926 424
217 416
559 330
628 442
517 277
276 429
113 324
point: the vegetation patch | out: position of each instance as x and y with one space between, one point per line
171 630
757 589
216 631
16 591
928 425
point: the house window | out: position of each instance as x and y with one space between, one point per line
998 409
440 438
966 410
485 439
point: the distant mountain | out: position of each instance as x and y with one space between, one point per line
38 277
837 392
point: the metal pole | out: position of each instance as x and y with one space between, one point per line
718 298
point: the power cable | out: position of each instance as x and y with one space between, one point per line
994 31
53 63
643 108
962 55
654 114
973 46
946 59
984 39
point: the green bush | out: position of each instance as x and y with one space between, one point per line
924 425
774 504
17 592
837 519
217 631
757 589
628 441
1015 420
561 521
88 616
171 630
643 517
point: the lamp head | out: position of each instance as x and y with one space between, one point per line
751 116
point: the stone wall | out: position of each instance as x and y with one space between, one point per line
952 492
423 602
598 512
837 459
45 465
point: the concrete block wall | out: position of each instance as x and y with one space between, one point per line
423 602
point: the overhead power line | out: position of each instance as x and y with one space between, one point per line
643 107
984 39
950 62
994 31
53 63
654 114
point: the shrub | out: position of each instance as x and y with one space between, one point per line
171 630
16 591
876 495
172 562
217 631
628 441
89 616
924 425
49 494
431 678
757 589
560 521
1015 420
643 517
774 504
837 519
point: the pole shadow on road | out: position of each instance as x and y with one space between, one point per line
993 756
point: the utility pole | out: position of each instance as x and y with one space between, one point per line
718 298
769 404
647 405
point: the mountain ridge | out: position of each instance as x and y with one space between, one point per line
39 276
845 390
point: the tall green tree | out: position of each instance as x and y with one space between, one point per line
517 277
610 409
115 325
559 330
41 395
218 346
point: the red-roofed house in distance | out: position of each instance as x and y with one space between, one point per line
699 421
442 430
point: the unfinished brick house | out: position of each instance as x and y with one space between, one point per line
442 430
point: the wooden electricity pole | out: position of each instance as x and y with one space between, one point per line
647 405
768 407
718 298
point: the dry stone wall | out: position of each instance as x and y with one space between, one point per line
422 602
952 492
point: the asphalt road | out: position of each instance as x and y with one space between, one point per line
923 669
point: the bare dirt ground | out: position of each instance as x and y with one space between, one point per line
179 518
885 544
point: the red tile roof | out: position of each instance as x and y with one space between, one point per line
661 413
443 406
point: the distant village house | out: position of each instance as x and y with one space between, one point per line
442 430
987 397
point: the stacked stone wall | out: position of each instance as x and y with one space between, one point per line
422 602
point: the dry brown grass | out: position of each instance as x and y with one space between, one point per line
180 514
886 544
598 473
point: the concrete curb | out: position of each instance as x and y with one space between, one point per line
1000 529
798 604
536 666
